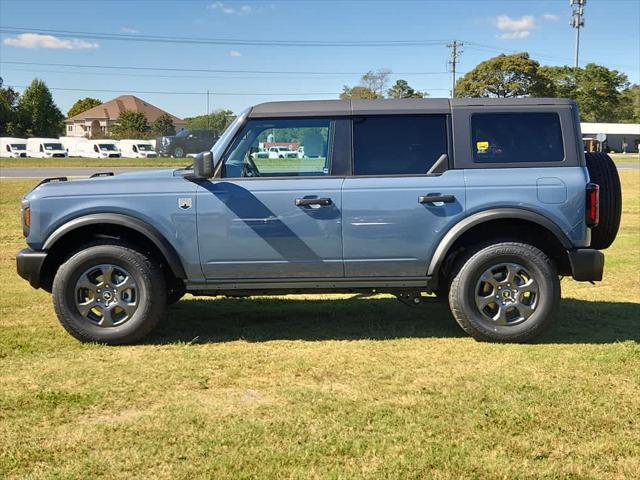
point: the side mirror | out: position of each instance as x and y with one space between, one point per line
203 165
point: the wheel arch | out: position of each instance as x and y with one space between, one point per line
514 223
81 230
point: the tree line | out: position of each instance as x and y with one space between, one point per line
602 95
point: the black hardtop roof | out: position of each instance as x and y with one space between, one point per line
310 108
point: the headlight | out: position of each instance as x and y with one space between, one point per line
26 219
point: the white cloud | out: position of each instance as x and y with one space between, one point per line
551 17
132 31
230 9
514 35
234 53
36 40
515 28
505 22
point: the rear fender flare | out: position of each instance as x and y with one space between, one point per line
478 218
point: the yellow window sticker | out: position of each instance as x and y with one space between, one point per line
482 146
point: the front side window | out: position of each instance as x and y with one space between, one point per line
398 145
516 137
108 147
271 148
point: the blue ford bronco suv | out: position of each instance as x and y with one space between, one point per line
484 202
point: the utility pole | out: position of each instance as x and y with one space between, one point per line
208 116
577 22
456 50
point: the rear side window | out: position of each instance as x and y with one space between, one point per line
398 145
516 137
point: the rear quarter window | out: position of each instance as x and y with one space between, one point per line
517 137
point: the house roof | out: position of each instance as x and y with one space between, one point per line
112 109
610 128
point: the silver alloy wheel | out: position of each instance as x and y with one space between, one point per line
178 152
506 294
106 295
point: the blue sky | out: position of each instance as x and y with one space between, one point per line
611 37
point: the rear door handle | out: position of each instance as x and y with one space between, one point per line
306 202
436 198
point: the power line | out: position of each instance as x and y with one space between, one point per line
148 92
178 92
204 70
220 41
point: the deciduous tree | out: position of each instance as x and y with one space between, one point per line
164 125
83 105
8 111
131 124
504 76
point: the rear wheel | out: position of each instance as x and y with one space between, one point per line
109 294
178 152
603 171
505 292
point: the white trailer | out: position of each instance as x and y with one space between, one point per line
45 148
137 149
13 147
72 145
99 149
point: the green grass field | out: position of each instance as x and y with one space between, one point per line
324 386
94 162
626 158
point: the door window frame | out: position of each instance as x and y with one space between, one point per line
449 142
338 150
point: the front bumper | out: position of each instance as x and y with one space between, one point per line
587 265
29 265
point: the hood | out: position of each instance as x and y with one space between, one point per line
147 181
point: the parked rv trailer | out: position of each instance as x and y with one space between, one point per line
72 145
137 149
45 148
13 147
99 149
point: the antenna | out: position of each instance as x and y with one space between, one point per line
577 22
456 50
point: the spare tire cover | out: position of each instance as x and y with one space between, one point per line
604 172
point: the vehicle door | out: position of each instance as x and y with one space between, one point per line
273 218
402 197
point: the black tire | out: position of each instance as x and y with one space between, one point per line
603 171
150 294
178 152
464 288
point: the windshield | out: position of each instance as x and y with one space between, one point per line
144 147
53 146
182 133
18 146
108 146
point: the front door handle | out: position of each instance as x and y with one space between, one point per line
433 198
306 202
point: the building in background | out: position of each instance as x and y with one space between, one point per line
616 137
101 118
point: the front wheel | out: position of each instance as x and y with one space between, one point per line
109 294
505 292
178 152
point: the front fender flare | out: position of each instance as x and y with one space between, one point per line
150 232
478 218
